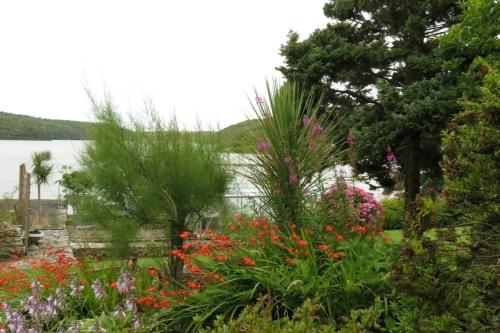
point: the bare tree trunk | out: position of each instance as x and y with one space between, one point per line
176 265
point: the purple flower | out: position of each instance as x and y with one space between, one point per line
137 323
130 304
263 146
75 289
119 313
350 139
288 159
124 284
317 129
60 299
98 291
294 179
259 100
49 309
306 121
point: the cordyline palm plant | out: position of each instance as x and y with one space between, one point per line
295 146
41 170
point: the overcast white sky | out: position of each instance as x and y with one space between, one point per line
200 58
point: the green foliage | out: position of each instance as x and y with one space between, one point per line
238 137
76 184
390 46
20 127
40 167
149 173
340 274
393 211
296 145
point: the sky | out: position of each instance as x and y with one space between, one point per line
200 59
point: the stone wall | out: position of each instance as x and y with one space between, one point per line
11 243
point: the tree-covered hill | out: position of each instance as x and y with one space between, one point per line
21 127
239 137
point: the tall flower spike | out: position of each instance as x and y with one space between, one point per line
124 284
98 290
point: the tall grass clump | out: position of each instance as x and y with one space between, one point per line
147 172
295 145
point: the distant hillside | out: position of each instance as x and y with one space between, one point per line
21 127
239 137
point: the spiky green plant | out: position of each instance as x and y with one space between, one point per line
41 170
295 147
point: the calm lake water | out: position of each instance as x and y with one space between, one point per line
15 152
65 153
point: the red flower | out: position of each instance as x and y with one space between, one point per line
247 261
185 234
360 229
301 243
323 247
336 255
221 258
330 228
153 271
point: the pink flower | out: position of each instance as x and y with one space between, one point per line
390 157
306 121
263 146
294 179
259 100
350 139
317 129
288 159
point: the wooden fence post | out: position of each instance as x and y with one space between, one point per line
23 204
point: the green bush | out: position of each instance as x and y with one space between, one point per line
257 257
393 211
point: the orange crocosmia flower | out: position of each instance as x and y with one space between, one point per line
239 218
153 271
220 258
301 243
208 230
330 228
248 261
252 240
323 247
151 289
275 237
336 255
386 238
185 234
293 226
360 229
114 284
339 238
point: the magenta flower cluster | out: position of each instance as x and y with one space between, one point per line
366 207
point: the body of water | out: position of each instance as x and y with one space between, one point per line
66 153
13 153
